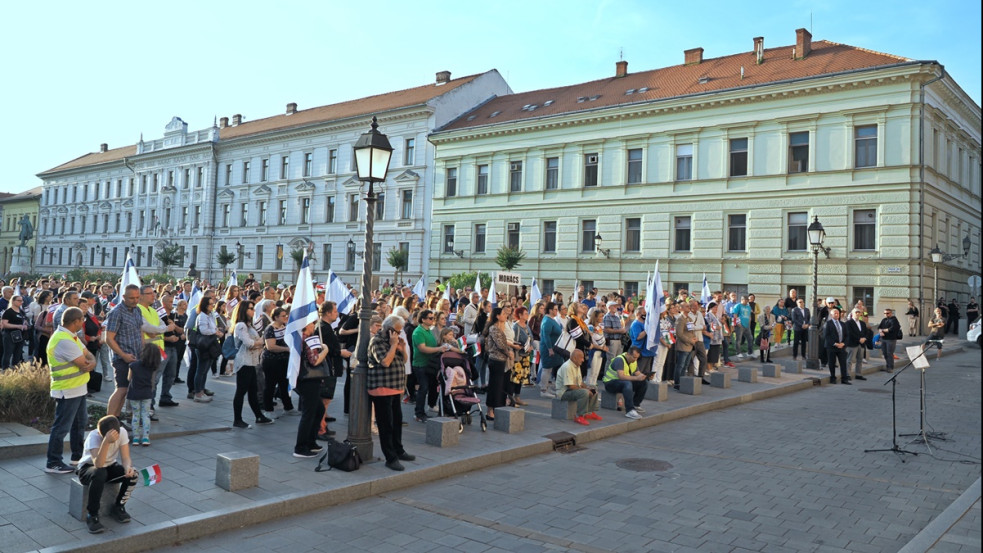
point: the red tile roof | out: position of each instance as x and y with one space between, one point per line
95 158
679 80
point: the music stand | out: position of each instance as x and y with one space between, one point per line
895 448
923 436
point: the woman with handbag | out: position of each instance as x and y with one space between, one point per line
313 364
43 326
520 369
577 329
385 380
208 346
766 322
14 331
598 348
500 356
275 360
245 364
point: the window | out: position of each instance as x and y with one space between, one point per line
105 221
448 238
631 289
547 287
380 206
245 171
798 240
350 259
406 210
353 207
737 232
284 166
156 185
262 214
186 184
329 210
150 256
409 152
864 294
798 152
308 164
634 166
677 286
201 177
450 184
184 216
129 223
479 238
515 176
738 157
259 256
129 188
227 215
278 258
170 179
865 144
197 216
305 211
482 179
590 169
119 188
549 236
684 162
864 229
512 235
633 235
588 230
228 173
283 212
377 257
326 257
143 186
332 161
264 174
682 230
552 173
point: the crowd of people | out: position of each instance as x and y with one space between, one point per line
146 339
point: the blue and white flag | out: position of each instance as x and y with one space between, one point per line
421 288
655 304
195 297
576 292
130 276
534 293
303 311
447 292
492 296
339 293
705 295
17 289
234 278
477 282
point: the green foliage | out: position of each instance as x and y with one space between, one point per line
225 258
25 394
76 274
509 258
160 278
461 281
298 257
85 275
168 256
24 277
399 260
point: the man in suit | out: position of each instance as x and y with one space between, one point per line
857 337
800 324
835 335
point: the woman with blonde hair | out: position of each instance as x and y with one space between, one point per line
576 327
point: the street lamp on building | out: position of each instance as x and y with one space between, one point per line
939 257
816 237
372 155
450 248
606 252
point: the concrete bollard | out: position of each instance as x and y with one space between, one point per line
771 370
563 410
720 380
747 374
79 496
657 391
443 431
510 420
609 400
691 385
793 366
237 470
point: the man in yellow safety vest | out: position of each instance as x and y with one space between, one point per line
70 364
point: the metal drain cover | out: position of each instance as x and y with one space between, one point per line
644 465
874 390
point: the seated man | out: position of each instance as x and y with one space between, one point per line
623 377
570 387
100 464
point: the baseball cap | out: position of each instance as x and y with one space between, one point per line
280 287
830 300
612 304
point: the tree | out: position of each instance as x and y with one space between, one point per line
461 281
509 258
298 257
169 256
399 260
225 257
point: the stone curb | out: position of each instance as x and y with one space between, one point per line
24 446
931 534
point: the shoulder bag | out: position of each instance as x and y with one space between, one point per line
320 371
340 455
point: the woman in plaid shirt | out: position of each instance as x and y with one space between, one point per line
386 378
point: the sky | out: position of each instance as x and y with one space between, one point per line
78 74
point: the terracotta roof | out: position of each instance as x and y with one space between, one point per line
95 158
679 80
25 195
362 106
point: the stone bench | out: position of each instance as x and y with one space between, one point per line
747 374
691 385
609 400
657 391
720 380
510 420
793 366
79 496
771 370
443 431
236 470
563 410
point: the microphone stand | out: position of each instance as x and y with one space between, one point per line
894 416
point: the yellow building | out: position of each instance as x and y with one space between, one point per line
13 208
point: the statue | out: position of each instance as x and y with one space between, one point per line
26 231
192 272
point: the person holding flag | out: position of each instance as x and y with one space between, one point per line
300 327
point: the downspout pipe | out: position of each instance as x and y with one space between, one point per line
921 194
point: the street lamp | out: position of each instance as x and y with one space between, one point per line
598 248
938 257
372 155
450 248
351 248
816 237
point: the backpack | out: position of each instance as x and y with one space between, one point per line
230 347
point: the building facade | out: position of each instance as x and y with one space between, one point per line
257 189
13 208
717 167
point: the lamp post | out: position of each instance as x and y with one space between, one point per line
939 257
816 236
372 156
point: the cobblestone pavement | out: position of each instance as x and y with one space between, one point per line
788 474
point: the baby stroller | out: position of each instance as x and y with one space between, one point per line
457 392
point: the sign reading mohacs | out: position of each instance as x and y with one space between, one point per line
508 279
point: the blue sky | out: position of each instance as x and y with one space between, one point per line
77 74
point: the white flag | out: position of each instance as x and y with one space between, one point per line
477 282
234 278
654 306
303 311
421 288
492 296
130 276
705 295
576 292
534 293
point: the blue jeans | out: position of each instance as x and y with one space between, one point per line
629 391
683 360
168 371
888 347
141 419
71 419
725 347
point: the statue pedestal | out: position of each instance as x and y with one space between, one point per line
21 260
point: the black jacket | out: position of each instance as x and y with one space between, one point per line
892 326
854 333
830 336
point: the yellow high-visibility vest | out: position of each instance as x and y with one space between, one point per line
65 375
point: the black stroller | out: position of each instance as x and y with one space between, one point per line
457 391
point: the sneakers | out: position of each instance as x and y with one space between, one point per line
593 417
75 462
304 454
639 409
316 449
168 403
191 395
58 468
145 442
729 364
326 436
395 465
633 414
202 398
136 442
581 420
292 412
548 394
92 521
269 415
208 392
421 418
118 512
241 424
263 419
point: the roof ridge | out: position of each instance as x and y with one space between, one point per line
868 50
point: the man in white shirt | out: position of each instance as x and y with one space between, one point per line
103 448
570 387
70 364
471 313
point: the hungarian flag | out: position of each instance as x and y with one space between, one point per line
151 475
477 349
461 344
535 358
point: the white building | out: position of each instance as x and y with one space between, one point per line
258 189
717 166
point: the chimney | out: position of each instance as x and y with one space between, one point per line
443 77
223 122
693 55
236 119
621 68
803 43
759 49
291 108
103 147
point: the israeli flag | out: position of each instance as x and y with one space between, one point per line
492 296
576 292
234 278
130 276
339 293
655 304
534 293
705 295
303 311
